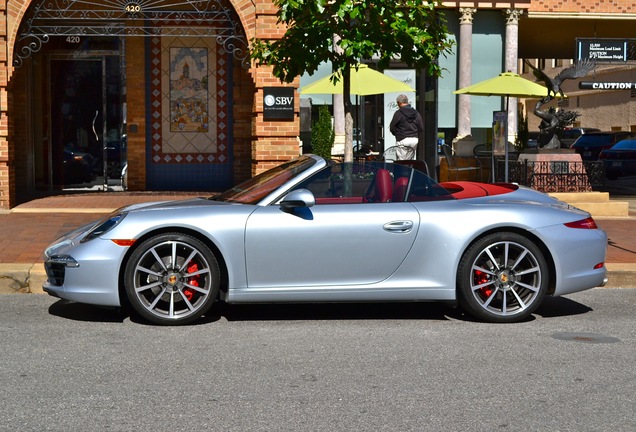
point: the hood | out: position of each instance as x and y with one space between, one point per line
163 205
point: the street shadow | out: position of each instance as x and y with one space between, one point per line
337 311
558 307
552 307
91 313
88 313
272 312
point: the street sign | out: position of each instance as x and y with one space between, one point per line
593 85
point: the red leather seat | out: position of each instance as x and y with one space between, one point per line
399 189
383 189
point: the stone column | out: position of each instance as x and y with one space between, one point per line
465 68
511 58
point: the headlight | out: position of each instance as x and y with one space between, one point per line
103 226
65 260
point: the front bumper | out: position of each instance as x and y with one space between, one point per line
84 272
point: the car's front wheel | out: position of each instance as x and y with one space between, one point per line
502 277
172 279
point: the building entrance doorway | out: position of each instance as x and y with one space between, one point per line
86 112
72 61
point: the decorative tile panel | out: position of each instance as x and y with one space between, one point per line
186 99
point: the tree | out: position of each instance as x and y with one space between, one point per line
410 30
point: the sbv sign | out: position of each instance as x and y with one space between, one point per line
278 103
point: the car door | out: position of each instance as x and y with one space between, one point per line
328 244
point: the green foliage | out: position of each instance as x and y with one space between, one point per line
385 29
322 133
411 30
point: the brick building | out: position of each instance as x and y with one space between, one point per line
169 89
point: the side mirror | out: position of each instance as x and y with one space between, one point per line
297 199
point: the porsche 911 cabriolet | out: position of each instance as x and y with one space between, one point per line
314 230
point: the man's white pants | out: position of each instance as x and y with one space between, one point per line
405 146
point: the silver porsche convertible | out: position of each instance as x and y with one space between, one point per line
313 230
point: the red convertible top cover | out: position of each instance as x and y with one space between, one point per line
464 190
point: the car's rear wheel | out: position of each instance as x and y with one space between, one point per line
502 277
172 279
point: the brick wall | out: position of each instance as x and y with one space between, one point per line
583 6
136 112
272 142
5 152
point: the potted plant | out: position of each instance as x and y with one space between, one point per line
323 134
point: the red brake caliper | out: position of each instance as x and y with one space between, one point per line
482 278
194 281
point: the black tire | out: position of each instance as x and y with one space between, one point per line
172 279
502 278
611 175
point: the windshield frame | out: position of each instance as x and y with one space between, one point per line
257 188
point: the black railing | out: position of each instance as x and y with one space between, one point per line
553 176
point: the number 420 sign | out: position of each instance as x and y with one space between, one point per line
132 7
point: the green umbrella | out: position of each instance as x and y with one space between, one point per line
364 81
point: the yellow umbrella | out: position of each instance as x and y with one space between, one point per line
505 84
364 81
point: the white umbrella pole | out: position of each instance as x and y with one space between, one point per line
506 143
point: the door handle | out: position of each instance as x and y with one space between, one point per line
93 126
398 226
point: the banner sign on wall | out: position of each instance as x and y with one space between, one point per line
278 103
499 127
390 106
604 50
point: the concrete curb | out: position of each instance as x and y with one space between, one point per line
621 275
28 278
22 278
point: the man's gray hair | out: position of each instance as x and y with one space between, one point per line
402 99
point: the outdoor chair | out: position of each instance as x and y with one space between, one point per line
390 154
451 162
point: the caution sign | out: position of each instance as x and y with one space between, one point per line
605 50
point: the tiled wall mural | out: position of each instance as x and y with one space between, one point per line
188 102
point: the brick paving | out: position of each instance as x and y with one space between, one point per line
29 228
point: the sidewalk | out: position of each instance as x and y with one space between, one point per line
29 228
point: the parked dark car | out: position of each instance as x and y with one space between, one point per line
569 135
590 145
533 139
116 158
78 167
620 160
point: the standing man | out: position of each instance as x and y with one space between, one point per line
406 125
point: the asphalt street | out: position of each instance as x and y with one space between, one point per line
380 367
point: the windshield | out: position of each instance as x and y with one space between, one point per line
357 182
625 145
258 187
594 139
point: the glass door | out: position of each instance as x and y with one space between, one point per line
87 141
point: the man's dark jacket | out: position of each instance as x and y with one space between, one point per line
406 123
